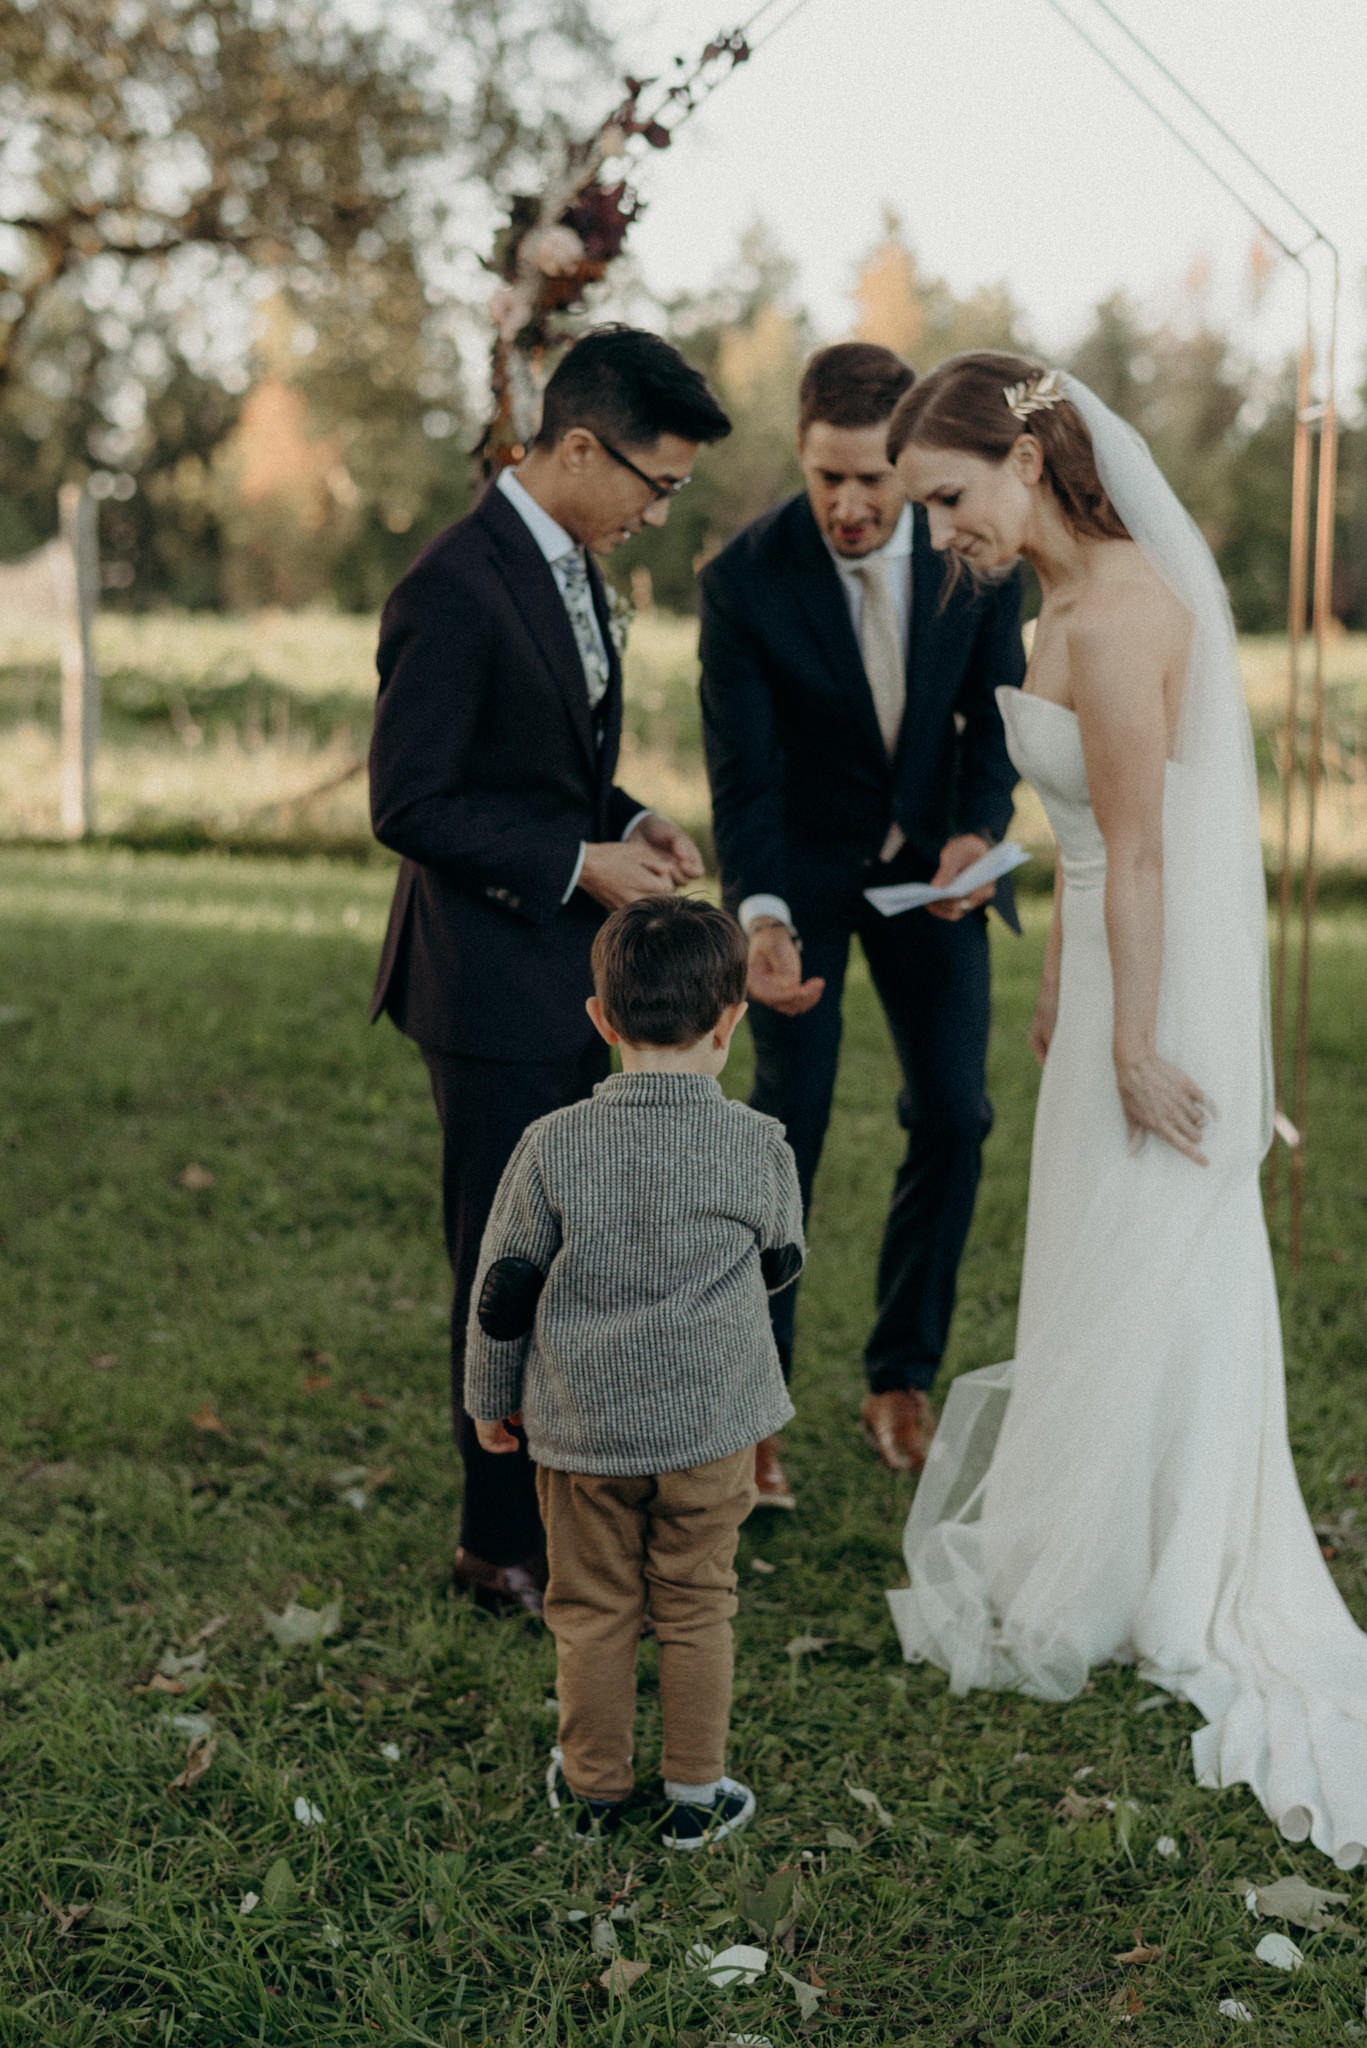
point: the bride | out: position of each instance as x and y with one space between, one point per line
1123 1488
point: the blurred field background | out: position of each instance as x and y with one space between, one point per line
251 729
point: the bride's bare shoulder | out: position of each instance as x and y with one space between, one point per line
1125 604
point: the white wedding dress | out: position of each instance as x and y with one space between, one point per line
1123 1489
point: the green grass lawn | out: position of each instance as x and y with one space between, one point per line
225 1396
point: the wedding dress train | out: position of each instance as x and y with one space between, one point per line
1123 1489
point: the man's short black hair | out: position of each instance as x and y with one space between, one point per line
851 384
666 967
628 387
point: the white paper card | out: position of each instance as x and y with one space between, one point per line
894 897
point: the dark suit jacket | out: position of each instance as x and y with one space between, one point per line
485 774
803 791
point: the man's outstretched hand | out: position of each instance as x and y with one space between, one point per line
776 972
653 861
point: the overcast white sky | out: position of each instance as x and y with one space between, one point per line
1013 153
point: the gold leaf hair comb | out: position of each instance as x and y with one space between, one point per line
1039 394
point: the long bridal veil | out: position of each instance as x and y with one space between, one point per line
1123 1489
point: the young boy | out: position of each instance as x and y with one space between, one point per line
620 1314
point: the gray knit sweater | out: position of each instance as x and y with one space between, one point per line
647 1208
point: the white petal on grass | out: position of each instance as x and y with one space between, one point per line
1279 1951
871 1802
740 1964
296 1625
197 1726
355 1497
1231 2009
249 1899
172 1666
604 1936
306 1813
391 1752
806 1646
1166 1846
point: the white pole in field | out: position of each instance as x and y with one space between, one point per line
75 564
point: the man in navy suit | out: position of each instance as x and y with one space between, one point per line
853 737
491 773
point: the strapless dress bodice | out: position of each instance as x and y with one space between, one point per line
1045 745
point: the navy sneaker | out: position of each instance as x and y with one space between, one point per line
587 1818
689 1826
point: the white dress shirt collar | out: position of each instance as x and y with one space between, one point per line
549 535
896 548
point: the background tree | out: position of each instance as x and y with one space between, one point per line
167 164
750 339
901 307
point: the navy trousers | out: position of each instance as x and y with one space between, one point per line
484 1107
933 980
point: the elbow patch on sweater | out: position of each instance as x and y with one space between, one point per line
507 1301
780 1266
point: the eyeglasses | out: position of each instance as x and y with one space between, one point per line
658 488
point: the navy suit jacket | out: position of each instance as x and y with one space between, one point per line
486 772
803 791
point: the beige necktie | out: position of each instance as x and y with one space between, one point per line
880 643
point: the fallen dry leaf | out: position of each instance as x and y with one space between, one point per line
105 1361
1356 1480
195 1177
806 1646
197 1762
159 1682
296 1625
870 1802
1142 1952
207 1420
621 1973
210 1628
1076 1805
66 1916
60 1472
308 1354
314 1382
371 1400
1291 1898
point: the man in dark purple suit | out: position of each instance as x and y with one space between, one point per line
491 773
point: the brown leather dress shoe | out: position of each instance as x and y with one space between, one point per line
900 1426
500 1588
771 1486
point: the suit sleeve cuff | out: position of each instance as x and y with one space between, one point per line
573 883
762 906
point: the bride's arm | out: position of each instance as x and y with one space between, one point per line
1117 666
1041 1030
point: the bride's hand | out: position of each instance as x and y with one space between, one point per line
1159 1097
1041 1032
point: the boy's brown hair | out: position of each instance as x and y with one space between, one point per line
666 967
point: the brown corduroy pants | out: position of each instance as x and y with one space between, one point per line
612 1545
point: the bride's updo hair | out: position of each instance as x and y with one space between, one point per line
962 405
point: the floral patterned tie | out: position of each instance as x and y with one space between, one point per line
572 574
